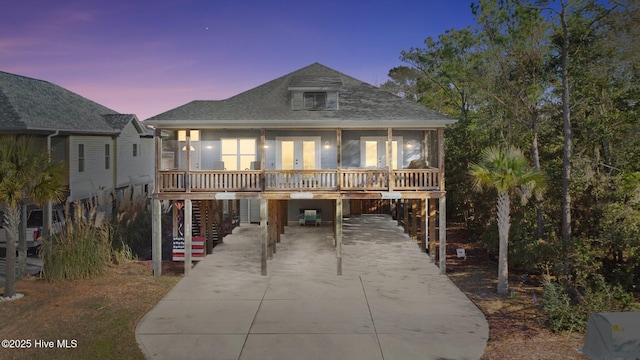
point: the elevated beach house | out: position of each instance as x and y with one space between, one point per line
307 149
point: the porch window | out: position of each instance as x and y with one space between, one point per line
238 154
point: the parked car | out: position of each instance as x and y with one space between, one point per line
35 223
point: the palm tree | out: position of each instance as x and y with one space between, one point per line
27 176
506 170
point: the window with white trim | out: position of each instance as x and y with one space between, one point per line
107 156
80 157
315 100
238 154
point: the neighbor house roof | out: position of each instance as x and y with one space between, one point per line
36 106
269 105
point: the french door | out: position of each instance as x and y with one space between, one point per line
298 153
373 152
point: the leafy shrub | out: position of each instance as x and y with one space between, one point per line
569 309
80 250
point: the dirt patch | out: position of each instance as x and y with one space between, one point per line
92 319
516 321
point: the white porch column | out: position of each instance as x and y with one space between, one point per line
156 237
338 221
263 236
187 236
443 234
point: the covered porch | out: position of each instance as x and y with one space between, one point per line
209 160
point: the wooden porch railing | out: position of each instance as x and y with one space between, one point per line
300 180
203 180
428 179
364 179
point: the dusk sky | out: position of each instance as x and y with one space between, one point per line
146 57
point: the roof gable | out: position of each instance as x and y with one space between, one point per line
31 105
269 104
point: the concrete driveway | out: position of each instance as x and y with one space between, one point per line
390 303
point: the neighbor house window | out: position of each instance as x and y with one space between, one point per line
315 101
107 156
135 150
80 157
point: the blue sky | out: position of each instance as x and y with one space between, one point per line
146 57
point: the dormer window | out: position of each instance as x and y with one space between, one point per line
315 101
314 93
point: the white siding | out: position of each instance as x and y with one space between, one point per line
138 169
94 177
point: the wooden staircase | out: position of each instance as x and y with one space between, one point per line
207 222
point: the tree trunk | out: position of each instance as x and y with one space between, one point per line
566 126
12 216
504 223
535 154
22 243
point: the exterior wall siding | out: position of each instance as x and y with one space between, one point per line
130 169
94 177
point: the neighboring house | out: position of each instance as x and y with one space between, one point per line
315 139
101 149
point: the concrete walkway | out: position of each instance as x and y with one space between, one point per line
390 303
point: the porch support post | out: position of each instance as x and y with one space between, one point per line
339 158
187 235
284 217
338 220
207 214
443 234
263 160
432 229
263 237
156 237
156 209
390 158
230 215
187 175
272 215
424 219
220 216
424 143
405 215
441 156
413 228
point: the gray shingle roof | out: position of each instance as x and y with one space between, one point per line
268 105
32 105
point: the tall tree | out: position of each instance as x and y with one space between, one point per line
27 175
403 81
506 170
515 42
446 71
448 68
577 22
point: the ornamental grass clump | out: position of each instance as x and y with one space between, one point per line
82 249
132 224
